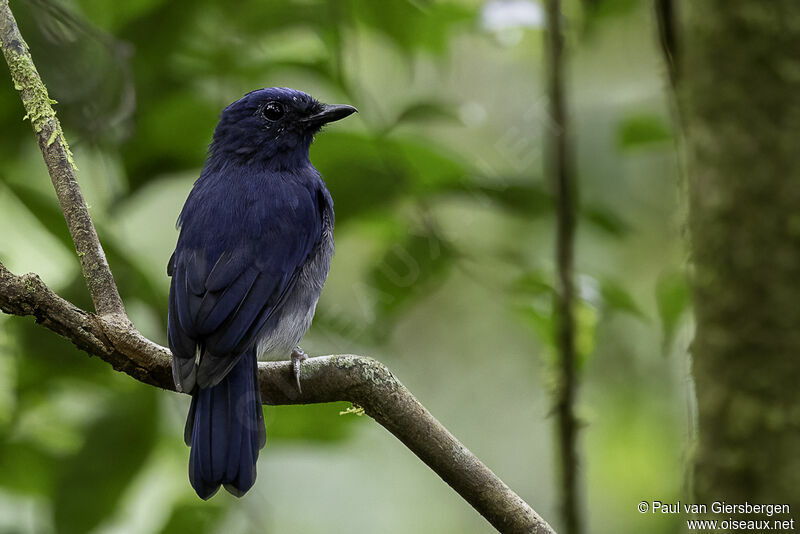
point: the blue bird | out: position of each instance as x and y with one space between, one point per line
255 245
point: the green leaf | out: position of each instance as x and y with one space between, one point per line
91 483
525 199
413 25
535 283
409 270
156 150
385 170
426 111
640 130
605 220
672 299
616 298
539 318
360 185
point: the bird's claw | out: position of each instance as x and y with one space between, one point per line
298 357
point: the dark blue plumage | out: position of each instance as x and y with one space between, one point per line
256 239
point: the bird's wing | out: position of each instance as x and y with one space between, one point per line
220 301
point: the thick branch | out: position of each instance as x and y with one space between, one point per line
134 354
739 109
356 379
60 165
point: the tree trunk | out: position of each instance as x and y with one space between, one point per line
739 97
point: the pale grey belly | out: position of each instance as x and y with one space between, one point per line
298 308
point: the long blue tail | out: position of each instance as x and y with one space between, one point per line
225 429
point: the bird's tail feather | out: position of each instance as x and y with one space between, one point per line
225 429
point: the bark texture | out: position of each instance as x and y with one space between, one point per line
740 101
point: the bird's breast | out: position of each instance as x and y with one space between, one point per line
295 315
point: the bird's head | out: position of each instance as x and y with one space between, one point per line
275 125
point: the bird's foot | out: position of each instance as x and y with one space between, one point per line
298 357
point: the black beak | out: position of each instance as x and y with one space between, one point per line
330 113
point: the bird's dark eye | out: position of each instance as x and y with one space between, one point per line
273 111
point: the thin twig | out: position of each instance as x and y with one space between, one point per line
110 335
668 36
564 188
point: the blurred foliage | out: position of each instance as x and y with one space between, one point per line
408 270
91 482
318 422
427 187
641 130
190 518
596 298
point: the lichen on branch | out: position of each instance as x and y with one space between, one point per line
35 98
60 165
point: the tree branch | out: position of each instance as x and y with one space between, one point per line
112 339
668 37
563 184
111 336
60 165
